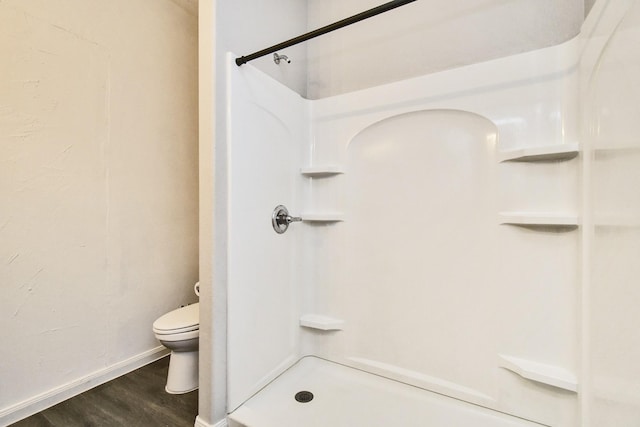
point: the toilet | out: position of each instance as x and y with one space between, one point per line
179 330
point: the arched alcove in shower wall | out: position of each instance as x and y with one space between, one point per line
420 213
432 289
419 217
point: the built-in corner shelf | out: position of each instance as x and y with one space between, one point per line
546 374
539 219
322 216
540 154
321 171
323 323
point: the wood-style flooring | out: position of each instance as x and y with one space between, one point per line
136 399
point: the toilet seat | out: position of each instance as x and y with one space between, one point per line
184 319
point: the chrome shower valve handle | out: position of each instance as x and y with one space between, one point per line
280 219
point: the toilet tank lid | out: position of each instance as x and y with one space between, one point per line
183 317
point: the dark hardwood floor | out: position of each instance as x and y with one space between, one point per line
137 399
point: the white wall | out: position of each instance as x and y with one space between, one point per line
611 97
212 376
588 5
426 36
263 285
434 289
246 26
241 27
98 180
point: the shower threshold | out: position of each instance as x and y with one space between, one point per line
338 396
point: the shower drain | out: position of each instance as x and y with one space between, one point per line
304 396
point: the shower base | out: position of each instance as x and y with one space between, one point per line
347 397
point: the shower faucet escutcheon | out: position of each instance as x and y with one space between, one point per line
280 219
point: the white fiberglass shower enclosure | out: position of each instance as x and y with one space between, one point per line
465 256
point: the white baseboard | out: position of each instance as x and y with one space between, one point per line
201 423
42 401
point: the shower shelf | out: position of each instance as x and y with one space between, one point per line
539 154
539 218
539 372
320 171
322 217
324 323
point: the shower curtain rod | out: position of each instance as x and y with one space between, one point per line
326 29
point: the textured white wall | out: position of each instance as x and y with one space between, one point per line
98 182
428 36
212 376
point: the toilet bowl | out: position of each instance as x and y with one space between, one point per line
179 330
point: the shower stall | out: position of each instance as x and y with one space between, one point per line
467 247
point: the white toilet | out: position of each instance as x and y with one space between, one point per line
179 330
